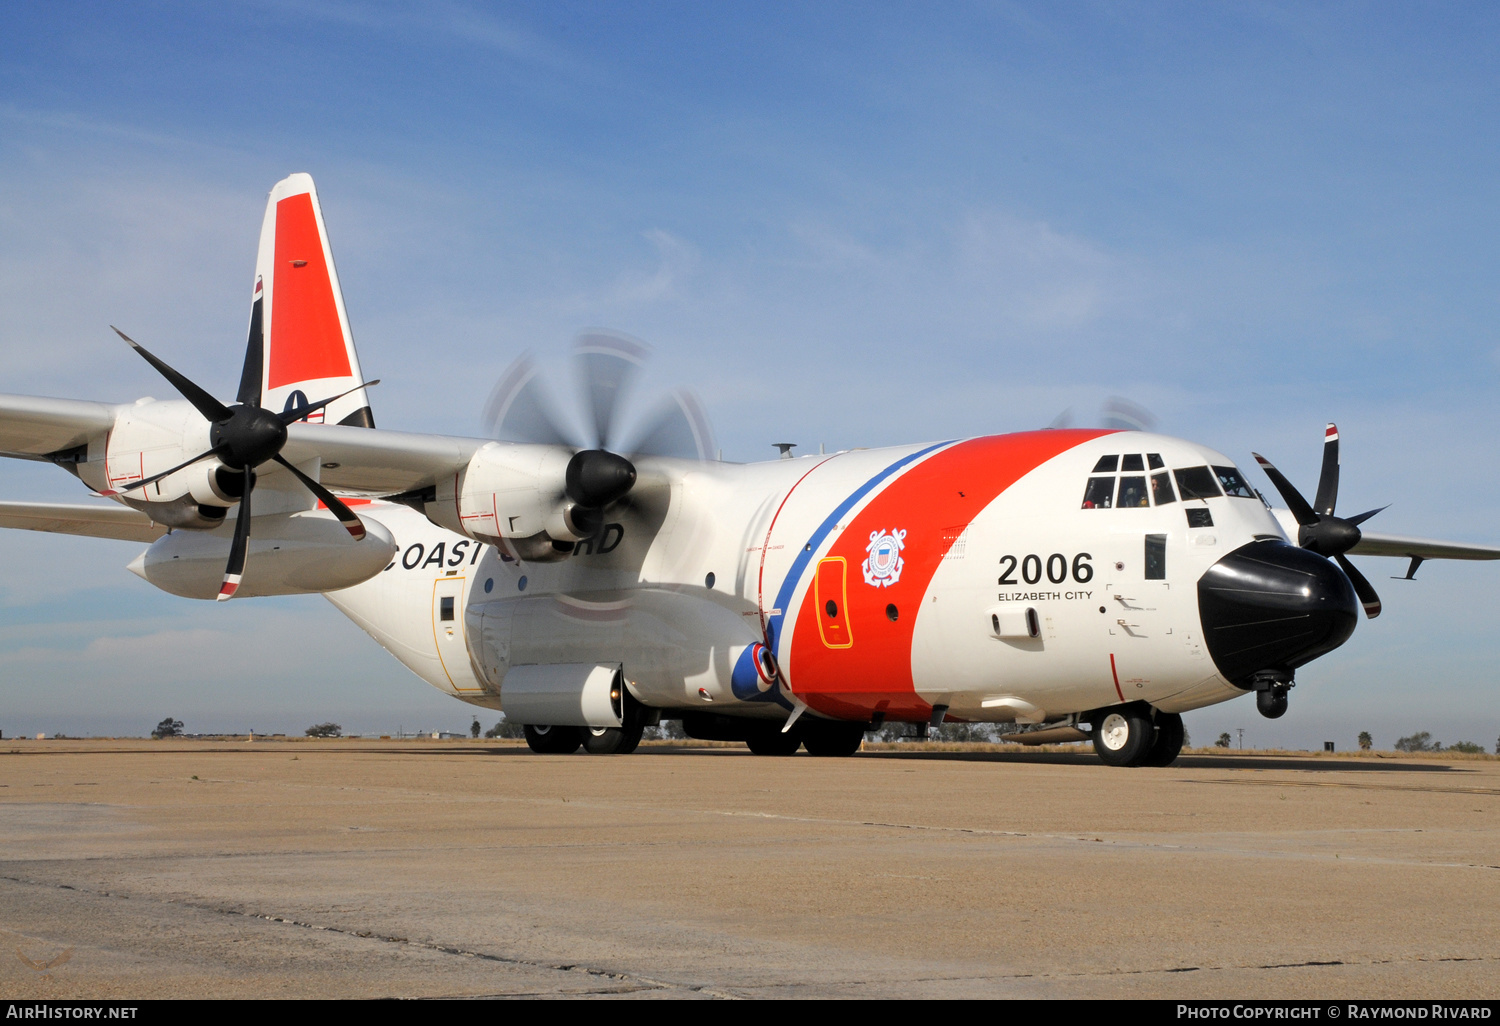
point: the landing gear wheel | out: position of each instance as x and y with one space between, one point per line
1122 737
1169 737
611 740
774 742
545 740
833 739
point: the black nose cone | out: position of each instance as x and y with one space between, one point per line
1272 606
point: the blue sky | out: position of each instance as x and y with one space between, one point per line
849 223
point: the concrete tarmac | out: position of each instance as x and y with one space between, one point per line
433 869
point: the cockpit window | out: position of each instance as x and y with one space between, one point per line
1153 460
1197 483
1132 461
1233 484
1106 465
1161 489
1099 492
1132 492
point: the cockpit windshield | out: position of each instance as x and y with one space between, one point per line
1197 483
1233 483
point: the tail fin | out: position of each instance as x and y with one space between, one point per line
300 348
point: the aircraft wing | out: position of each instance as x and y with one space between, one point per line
354 460
1372 544
96 521
34 427
370 461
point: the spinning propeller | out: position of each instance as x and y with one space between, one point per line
520 409
1319 530
244 436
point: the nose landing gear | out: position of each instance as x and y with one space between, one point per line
1137 735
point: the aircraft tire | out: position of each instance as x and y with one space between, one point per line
1168 744
545 740
1123 736
774 742
611 740
832 739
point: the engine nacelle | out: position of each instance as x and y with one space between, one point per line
290 554
151 437
511 495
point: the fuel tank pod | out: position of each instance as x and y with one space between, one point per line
290 554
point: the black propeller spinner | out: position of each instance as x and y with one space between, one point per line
243 437
1318 529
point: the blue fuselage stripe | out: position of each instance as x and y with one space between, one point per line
799 565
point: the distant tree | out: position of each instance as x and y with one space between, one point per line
1366 742
1497 746
167 728
1187 742
666 730
1467 747
965 732
474 728
1224 740
504 728
1421 741
324 730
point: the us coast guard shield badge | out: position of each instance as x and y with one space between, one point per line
883 563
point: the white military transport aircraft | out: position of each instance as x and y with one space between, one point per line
1095 584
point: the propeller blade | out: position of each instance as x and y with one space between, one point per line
1121 414
1362 517
679 428
1362 587
1294 501
234 570
255 348
1062 420
347 516
1328 480
204 403
608 362
520 409
297 413
165 473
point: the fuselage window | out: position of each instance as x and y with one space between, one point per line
445 607
1156 557
1233 484
1106 465
1132 492
1153 459
1197 483
1161 489
1131 462
1099 492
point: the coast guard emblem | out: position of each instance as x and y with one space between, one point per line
883 565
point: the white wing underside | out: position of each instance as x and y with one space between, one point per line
99 520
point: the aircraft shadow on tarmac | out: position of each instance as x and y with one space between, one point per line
1084 757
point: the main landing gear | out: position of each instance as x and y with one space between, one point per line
1137 735
546 740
